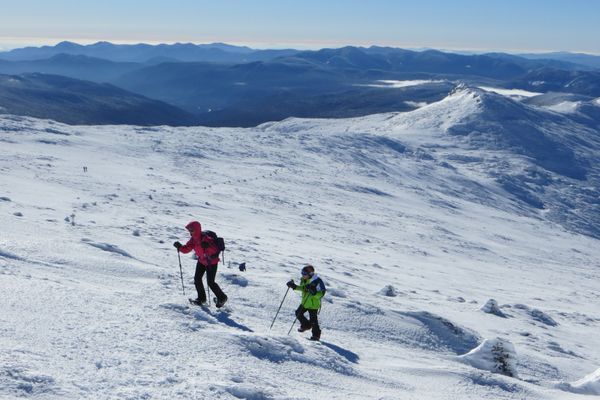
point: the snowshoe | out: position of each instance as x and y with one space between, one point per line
220 303
197 302
315 338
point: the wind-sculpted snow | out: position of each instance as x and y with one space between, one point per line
536 314
442 334
414 221
111 248
492 307
421 330
9 255
285 349
590 384
19 382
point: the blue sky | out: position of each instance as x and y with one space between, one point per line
482 25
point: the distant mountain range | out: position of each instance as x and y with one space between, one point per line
224 85
144 53
576 58
79 102
73 66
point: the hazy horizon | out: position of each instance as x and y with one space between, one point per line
464 25
8 46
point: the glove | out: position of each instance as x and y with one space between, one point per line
177 245
312 289
291 285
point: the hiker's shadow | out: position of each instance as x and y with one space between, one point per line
224 318
347 354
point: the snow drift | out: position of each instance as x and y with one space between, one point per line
494 355
590 384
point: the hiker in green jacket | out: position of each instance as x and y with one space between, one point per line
313 289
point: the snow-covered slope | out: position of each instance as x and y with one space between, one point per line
413 220
544 160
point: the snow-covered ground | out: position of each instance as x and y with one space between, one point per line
415 221
514 93
383 83
566 107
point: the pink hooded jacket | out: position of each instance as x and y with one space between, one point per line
207 254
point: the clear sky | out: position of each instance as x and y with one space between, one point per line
479 25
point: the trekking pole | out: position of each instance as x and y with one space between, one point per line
293 323
207 287
181 272
277 313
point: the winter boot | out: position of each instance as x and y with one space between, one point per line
304 327
220 303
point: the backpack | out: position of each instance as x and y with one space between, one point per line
218 242
318 282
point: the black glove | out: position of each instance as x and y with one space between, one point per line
177 245
291 285
312 289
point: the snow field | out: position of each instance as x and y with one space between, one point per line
411 240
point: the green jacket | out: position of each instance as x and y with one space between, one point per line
311 301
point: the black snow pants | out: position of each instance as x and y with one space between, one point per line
313 322
211 273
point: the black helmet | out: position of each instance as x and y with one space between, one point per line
308 270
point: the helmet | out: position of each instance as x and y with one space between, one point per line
308 270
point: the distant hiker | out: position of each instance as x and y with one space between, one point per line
84 169
206 249
313 289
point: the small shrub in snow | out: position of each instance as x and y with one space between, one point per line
136 232
71 219
504 358
389 291
494 355
491 307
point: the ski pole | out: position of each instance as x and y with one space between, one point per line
293 323
277 313
181 272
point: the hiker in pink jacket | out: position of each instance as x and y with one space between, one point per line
207 251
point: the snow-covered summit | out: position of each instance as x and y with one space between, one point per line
494 121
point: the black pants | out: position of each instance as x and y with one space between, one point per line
314 320
211 273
